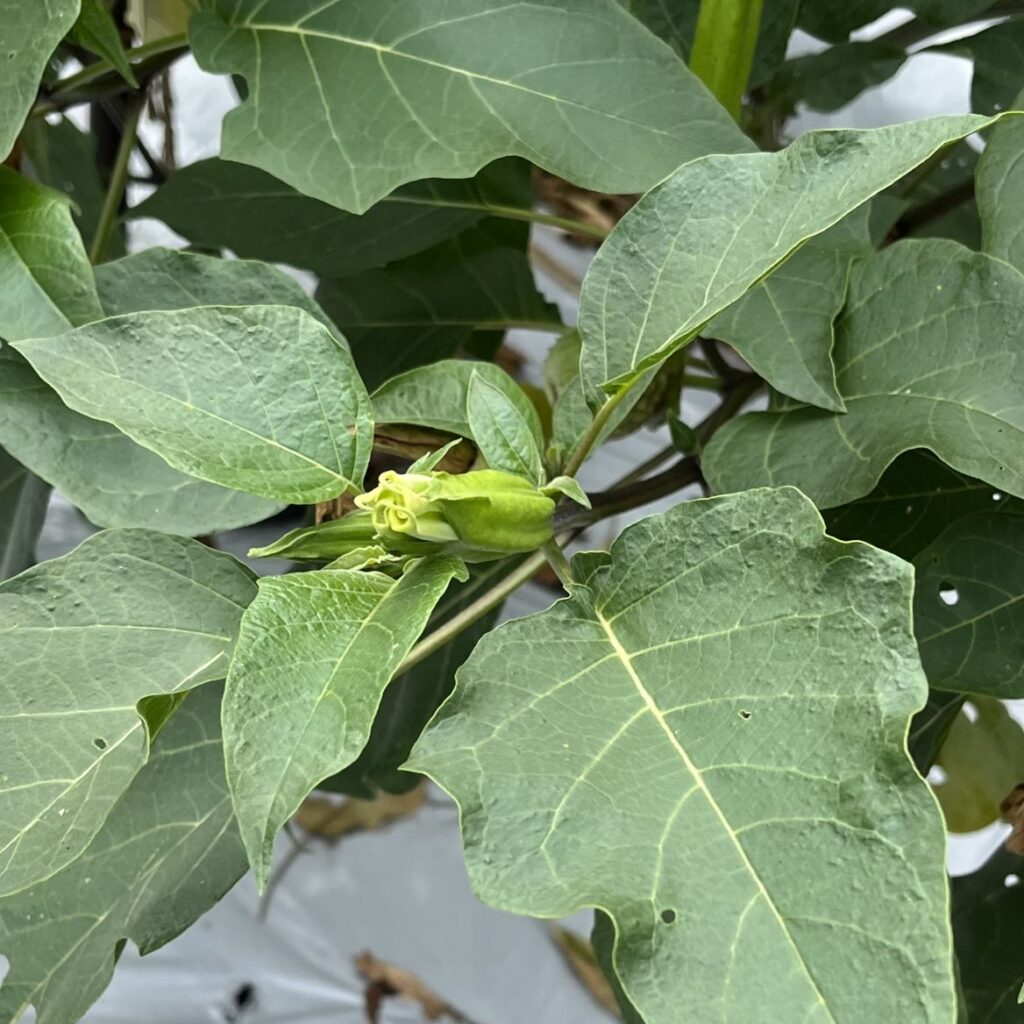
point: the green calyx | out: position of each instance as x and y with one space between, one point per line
479 516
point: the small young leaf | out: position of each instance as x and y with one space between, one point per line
585 92
263 399
95 30
734 220
431 461
85 637
167 853
568 486
508 438
708 736
927 356
315 652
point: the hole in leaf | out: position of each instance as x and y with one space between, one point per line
948 594
100 743
937 775
244 996
997 496
668 916
1011 880
745 715
970 711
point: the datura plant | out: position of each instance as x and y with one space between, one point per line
716 732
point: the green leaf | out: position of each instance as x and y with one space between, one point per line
23 501
127 614
96 31
930 726
969 604
983 758
708 736
48 282
437 396
63 157
927 356
157 19
411 699
509 437
724 42
315 652
586 92
223 205
733 220
783 326
829 80
953 176
569 487
31 34
167 853
998 56
917 497
440 303
999 185
428 463
263 399
987 910
115 481
829 20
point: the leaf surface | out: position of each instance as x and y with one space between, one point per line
706 742
262 399
220 204
167 853
23 501
457 297
969 605
927 356
717 226
128 614
783 326
390 91
315 652
999 185
31 34
508 438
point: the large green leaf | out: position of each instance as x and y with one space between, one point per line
835 21
391 91
315 652
456 297
917 497
987 910
712 230
263 399
127 615
998 56
706 741
927 355
113 480
48 282
219 204
167 853
31 32
783 326
983 760
414 696
23 500
999 185
954 176
969 604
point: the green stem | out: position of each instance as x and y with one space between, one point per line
553 552
594 431
702 383
723 49
118 181
574 227
64 92
470 614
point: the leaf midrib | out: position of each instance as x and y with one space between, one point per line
624 657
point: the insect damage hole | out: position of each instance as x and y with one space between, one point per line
1011 880
948 594
668 916
745 715
100 743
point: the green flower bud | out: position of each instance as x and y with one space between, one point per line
479 516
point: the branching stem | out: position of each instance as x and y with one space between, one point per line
118 180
